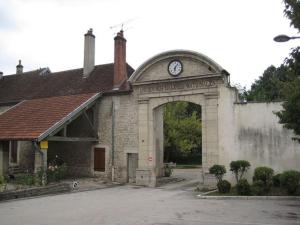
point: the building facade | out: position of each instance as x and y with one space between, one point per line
107 120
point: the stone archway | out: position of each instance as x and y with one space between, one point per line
153 86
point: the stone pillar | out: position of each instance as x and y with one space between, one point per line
210 148
40 161
145 174
4 157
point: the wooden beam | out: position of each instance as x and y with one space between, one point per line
73 139
90 124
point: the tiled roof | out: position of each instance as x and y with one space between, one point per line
32 85
30 119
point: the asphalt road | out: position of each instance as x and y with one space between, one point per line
129 205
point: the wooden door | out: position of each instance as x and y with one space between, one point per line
132 165
99 159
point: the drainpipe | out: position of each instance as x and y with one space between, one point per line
44 176
113 142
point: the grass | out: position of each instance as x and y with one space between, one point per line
187 166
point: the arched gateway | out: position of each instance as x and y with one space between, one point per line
177 75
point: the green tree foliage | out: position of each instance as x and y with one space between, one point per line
269 86
218 171
264 174
239 168
292 11
182 129
283 83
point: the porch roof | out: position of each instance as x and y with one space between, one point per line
36 119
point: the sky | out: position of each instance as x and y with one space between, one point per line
237 34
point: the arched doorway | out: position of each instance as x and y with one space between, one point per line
154 86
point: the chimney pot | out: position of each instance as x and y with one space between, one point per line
120 68
89 53
19 68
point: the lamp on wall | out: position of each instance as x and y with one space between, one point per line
284 38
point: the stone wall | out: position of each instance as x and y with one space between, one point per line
262 140
251 132
26 155
125 135
77 155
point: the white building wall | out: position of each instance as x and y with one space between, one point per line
261 140
251 132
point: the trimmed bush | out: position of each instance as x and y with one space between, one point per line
258 188
290 180
168 170
218 171
224 186
276 180
243 187
264 174
239 168
2 180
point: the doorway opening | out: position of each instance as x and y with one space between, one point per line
182 125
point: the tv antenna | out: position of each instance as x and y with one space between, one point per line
122 25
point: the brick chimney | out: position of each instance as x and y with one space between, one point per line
19 68
89 53
120 69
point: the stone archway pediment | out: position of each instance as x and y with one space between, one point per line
195 65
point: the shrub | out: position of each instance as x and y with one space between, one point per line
27 179
56 173
243 187
290 180
265 175
224 186
218 171
239 168
41 177
168 171
2 180
276 180
258 188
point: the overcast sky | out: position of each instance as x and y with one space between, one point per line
237 34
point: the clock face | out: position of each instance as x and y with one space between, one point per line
175 67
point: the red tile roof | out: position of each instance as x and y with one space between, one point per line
32 85
30 119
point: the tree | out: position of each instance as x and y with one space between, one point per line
292 11
283 83
239 168
290 115
182 130
269 86
218 171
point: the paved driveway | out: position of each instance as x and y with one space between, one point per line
129 205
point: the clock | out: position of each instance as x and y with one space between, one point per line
175 68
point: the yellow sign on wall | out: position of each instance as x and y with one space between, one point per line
44 144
